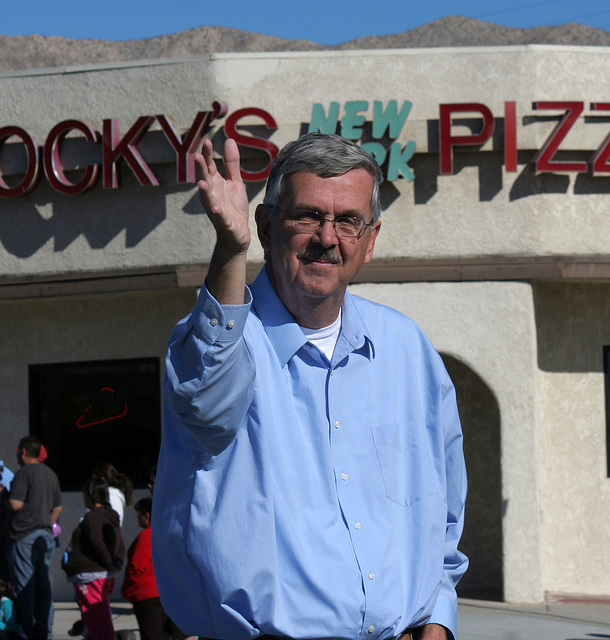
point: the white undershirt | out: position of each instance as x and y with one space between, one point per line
325 338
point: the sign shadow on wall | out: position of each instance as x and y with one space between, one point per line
99 215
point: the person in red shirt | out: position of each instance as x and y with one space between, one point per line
139 584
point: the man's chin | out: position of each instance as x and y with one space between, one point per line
318 286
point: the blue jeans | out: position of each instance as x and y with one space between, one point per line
29 562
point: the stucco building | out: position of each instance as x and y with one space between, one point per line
494 239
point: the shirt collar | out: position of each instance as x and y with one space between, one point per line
286 335
354 334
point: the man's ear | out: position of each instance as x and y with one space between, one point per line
263 226
371 241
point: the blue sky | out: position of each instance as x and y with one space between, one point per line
323 21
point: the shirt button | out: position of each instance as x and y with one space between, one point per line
372 629
230 324
213 321
337 424
357 525
371 576
344 476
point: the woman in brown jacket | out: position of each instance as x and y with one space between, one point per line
94 555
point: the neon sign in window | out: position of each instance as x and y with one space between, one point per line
98 411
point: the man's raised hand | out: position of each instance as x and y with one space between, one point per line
224 199
226 202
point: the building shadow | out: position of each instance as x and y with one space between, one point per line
482 537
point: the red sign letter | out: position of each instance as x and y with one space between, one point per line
252 142
447 141
510 136
115 149
52 161
543 161
31 172
192 139
599 160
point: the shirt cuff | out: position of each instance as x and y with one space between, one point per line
445 614
214 322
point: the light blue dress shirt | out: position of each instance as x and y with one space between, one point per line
300 497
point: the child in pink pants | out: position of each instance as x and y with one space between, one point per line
94 554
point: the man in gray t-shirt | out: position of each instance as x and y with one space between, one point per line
35 503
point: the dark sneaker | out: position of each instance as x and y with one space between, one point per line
77 628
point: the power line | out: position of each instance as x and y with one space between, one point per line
547 2
592 15
525 6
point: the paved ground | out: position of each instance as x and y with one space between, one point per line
67 613
477 620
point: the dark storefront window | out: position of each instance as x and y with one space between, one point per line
607 383
102 411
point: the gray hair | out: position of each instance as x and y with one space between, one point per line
326 156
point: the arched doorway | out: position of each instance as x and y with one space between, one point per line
482 538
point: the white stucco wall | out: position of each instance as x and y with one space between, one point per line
573 323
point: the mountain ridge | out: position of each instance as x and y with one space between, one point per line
36 52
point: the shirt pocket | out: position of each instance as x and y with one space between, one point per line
406 462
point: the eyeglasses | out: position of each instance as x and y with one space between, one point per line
311 221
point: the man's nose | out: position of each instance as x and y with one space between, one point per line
326 233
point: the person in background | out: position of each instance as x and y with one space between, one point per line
10 614
120 487
152 474
6 476
35 503
139 584
92 558
120 495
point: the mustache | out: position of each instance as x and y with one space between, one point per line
316 252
